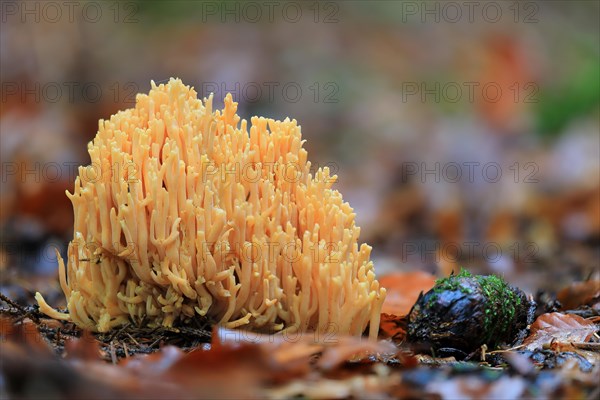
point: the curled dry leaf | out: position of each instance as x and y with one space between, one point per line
558 327
403 289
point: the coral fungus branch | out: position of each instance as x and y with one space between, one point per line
185 211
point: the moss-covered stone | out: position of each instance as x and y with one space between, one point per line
465 311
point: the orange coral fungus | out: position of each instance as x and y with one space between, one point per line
183 212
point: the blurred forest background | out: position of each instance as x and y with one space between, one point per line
461 135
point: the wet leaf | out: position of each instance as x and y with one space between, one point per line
558 327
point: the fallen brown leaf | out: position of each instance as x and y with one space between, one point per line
24 334
352 348
559 327
30 369
579 294
293 353
403 289
85 348
393 326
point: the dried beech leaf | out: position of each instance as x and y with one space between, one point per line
559 327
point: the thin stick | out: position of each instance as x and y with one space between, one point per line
585 346
24 313
507 350
12 303
113 353
133 339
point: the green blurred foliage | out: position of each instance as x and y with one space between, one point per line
563 103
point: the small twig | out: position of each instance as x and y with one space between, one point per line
506 350
22 310
133 339
156 341
12 303
113 353
200 333
125 350
118 333
584 346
